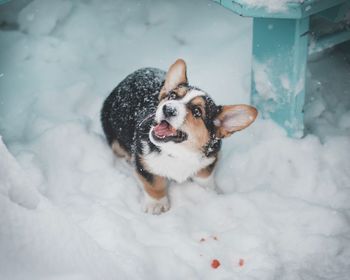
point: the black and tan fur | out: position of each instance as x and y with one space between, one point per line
168 129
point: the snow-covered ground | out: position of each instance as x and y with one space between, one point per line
70 210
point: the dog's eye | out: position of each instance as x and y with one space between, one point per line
197 112
172 95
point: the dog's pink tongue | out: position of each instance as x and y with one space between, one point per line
164 130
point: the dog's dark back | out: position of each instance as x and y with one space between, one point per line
130 103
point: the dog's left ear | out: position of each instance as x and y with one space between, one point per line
234 118
175 76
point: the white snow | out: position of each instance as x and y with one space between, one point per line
70 210
33 18
263 84
271 5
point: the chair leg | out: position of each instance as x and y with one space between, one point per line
280 48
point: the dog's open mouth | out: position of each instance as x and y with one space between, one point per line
164 132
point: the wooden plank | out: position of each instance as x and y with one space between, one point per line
293 10
279 71
329 41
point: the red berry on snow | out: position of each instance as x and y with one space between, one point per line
215 264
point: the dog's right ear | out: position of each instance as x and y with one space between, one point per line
175 76
233 118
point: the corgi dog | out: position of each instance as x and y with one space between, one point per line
168 130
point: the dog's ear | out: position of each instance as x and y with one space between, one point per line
234 118
175 76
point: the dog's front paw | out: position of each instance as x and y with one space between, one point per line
155 206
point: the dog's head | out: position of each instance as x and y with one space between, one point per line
186 116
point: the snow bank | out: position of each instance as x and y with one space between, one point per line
14 183
70 210
35 20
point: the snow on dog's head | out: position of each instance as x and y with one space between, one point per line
187 116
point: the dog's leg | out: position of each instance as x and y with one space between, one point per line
205 178
206 182
120 152
155 194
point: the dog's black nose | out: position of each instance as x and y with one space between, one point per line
169 111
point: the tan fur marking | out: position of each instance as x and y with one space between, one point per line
181 91
196 126
119 151
162 94
198 101
198 131
206 171
157 189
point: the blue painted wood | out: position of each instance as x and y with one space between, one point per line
293 10
280 50
336 13
328 41
332 30
278 70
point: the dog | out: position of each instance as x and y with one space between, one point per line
168 130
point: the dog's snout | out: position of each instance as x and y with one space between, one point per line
169 111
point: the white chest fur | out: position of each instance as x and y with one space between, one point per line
177 163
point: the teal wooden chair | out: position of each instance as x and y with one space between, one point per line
282 42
